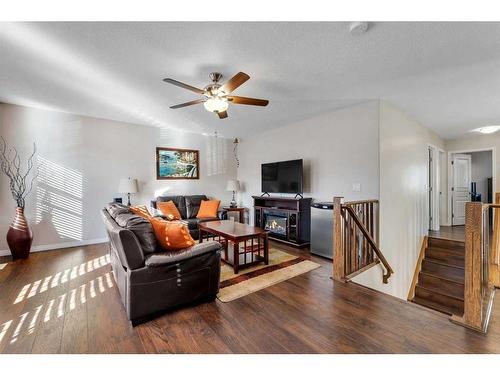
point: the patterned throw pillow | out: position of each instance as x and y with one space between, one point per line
171 235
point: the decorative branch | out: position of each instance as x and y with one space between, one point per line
10 165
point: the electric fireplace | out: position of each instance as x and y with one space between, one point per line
275 223
287 220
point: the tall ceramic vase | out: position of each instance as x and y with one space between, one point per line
19 236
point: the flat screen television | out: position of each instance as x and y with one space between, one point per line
282 177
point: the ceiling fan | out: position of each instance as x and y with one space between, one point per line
216 96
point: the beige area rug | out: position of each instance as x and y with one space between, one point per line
281 267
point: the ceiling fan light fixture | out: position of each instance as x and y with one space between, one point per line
216 104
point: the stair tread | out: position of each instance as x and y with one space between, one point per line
459 252
449 310
449 252
442 263
457 280
435 290
441 286
440 239
445 256
446 243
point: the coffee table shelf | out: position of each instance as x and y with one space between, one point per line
243 244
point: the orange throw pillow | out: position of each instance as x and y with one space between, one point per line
141 211
208 209
169 208
171 235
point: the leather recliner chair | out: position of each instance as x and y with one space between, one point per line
152 282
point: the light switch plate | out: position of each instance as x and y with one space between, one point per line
356 187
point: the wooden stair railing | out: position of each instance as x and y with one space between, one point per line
482 241
355 239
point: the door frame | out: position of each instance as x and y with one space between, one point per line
434 183
450 174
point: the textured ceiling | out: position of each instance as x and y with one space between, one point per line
446 75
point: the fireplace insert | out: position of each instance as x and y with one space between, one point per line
276 223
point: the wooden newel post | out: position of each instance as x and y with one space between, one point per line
338 246
472 283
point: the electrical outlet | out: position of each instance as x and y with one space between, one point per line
356 187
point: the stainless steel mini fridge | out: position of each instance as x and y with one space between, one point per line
322 229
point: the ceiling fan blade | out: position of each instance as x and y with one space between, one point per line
247 101
192 102
183 85
222 114
235 82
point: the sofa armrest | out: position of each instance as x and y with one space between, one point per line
169 257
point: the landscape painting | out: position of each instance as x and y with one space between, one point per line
175 163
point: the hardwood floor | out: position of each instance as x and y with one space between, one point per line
65 301
456 233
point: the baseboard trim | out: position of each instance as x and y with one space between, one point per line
62 245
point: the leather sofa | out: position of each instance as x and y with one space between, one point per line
151 280
188 206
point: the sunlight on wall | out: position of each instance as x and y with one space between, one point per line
59 196
216 158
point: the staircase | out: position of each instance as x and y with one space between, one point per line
440 284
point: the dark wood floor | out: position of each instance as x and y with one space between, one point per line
456 233
65 301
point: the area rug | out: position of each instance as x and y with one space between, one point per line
281 267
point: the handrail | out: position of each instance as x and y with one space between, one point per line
355 244
371 241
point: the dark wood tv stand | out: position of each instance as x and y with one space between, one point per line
289 219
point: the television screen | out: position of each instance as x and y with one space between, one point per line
282 177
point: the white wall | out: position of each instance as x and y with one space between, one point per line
403 198
82 160
339 149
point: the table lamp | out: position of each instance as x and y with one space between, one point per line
234 186
128 186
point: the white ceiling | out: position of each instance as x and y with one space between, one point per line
446 75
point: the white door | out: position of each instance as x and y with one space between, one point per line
461 169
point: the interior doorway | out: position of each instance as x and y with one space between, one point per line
472 178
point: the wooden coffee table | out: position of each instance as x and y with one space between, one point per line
243 244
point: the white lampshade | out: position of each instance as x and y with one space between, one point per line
128 185
233 185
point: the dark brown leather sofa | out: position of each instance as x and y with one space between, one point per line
151 280
188 206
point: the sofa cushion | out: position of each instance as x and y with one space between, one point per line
193 203
116 208
191 223
172 235
142 229
179 201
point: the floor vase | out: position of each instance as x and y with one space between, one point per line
19 236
